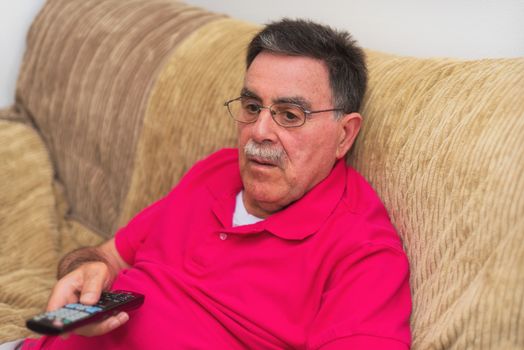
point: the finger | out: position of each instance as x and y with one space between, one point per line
64 292
95 276
104 326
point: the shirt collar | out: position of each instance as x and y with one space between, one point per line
297 221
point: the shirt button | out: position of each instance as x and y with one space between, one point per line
223 236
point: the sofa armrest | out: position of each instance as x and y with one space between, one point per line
28 226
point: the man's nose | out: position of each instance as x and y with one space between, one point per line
265 127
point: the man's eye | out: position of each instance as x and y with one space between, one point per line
251 108
290 117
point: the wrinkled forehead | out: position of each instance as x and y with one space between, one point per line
297 100
275 78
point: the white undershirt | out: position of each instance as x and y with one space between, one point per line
241 217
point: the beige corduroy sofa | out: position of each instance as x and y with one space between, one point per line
116 99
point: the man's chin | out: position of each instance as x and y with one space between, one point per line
263 198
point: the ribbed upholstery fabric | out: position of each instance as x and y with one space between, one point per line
85 82
129 94
442 145
33 232
28 229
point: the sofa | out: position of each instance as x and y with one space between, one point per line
116 99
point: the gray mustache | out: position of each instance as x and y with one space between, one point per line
265 152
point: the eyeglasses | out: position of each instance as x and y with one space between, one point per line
288 115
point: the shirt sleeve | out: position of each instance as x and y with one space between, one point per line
129 238
366 303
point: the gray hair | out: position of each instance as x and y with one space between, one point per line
344 59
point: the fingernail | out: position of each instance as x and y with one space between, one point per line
123 317
119 320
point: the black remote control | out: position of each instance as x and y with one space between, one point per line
72 316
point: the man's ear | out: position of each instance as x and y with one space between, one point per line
349 128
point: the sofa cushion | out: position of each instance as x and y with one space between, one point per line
33 231
442 145
85 82
28 227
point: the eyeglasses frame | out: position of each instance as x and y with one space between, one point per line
272 113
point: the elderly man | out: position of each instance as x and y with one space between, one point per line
277 244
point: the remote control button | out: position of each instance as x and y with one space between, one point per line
77 316
93 309
75 306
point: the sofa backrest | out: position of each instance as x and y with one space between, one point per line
85 83
442 146
127 95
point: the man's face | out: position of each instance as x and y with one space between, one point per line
307 153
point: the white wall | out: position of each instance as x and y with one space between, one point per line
15 19
455 28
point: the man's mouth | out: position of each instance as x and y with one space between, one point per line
262 161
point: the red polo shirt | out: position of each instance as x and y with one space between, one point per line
326 272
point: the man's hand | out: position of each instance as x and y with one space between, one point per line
84 285
86 282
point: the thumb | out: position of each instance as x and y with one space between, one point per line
95 280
